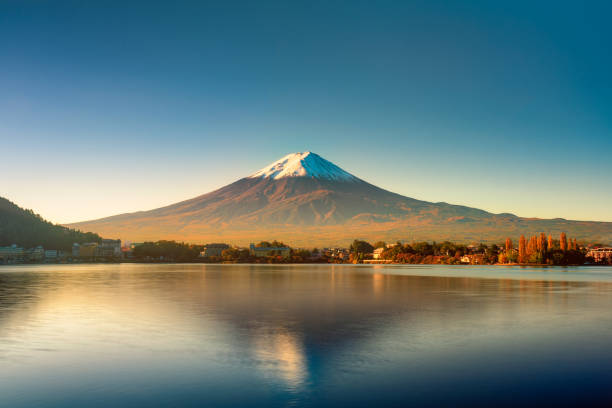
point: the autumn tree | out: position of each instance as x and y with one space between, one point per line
508 244
522 255
530 246
550 242
563 242
542 242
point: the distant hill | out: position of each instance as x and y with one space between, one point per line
306 200
26 229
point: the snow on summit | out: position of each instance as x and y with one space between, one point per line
303 164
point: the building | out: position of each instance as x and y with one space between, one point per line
473 259
336 253
109 248
11 254
35 254
378 253
260 252
601 255
52 254
88 250
213 250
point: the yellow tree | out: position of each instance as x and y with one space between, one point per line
542 242
563 242
522 250
573 244
532 246
550 242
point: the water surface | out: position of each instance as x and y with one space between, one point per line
141 335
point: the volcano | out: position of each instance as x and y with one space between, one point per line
306 200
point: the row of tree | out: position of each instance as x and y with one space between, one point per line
542 249
423 252
172 251
538 249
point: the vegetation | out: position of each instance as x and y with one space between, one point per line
172 251
167 251
429 253
273 244
27 229
360 249
538 249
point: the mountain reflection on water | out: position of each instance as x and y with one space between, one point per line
304 335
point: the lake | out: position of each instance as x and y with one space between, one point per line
191 335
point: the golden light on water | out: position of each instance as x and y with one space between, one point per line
280 355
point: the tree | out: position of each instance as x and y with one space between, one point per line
508 244
25 228
550 242
423 248
532 246
380 244
542 242
167 251
273 244
522 255
361 248
574 244
563 242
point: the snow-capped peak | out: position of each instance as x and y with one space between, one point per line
303 164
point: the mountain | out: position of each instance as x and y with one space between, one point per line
306 200
26 229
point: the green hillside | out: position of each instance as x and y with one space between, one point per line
27 229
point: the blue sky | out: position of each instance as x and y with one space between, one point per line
107 107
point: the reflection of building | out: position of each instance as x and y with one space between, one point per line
601 254
269 251
213 250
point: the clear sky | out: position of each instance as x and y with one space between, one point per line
110 107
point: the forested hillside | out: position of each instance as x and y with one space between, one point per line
27 229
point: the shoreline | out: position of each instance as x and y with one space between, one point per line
285 263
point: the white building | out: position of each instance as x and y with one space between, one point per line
378 253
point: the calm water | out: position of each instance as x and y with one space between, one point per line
243 335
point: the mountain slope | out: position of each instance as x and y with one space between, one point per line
307 200
24 228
